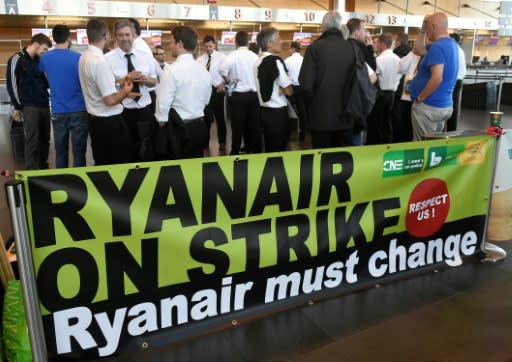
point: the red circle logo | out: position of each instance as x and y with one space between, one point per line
428 208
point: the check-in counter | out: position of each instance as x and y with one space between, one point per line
481 86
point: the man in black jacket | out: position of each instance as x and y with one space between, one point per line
28 90
402 47
325 72
357 35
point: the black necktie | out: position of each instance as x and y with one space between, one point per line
131 68
208 62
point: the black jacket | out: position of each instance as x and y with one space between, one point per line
26 84
402 50
368 52
325 71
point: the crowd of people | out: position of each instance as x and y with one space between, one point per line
136 107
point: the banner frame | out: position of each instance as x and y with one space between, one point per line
16 201
492 252
17 205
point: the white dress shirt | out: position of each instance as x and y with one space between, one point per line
462 64
185 86
141 62
215 63
387 70
97 81
293 63
276 100
407 66
239 66
140 44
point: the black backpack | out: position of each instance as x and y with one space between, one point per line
361 93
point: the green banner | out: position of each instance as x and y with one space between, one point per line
152 249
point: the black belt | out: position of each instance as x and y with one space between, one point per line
105 117
192 121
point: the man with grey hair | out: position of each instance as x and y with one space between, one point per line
127 61
273 85
324 75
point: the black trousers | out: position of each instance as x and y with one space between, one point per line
300 107
404 131
110 140
380 130
140 123
275 123
327 139
451 123
245 121
214 112
396 114
187 139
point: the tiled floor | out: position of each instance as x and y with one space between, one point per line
457 314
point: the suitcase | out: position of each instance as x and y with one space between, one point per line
18 141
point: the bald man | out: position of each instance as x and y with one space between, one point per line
432 87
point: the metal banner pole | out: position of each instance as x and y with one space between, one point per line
492 253
16 201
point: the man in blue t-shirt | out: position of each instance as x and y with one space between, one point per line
432 87
69 114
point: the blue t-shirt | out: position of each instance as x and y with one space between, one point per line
61 68
443 51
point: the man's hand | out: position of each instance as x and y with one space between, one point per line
424 25
17 116
127 88
136 76
221 87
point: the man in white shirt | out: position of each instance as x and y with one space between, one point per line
407 68
138 41
238 68
184 91
110 139
139 66
380 128
293 64
273 85
141 44
451 123
212 60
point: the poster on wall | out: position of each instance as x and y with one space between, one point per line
493 40
479 40
303 38
154 36
228 38
45 31
81 37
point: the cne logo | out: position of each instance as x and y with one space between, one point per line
393 165
402 162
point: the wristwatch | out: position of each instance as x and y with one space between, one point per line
418 100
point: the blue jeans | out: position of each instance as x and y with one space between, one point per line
357 138
75 123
